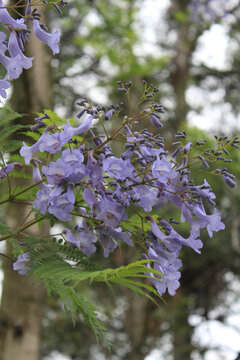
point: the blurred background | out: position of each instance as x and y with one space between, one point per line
190 50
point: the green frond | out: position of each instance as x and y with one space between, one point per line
51 266
10 146
20 173
33 135
7 115
17 158
132 286
4 229
11 129
62 269
76 303
27 195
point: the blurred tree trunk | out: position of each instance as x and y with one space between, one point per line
23 302
185 44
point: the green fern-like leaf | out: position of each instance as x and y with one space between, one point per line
7 115
51 266
75 303
4 229
10 146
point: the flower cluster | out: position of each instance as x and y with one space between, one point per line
87 181
18 35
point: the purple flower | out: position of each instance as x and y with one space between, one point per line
204 191
174 154
42 198
94 171
3 46
55 171
111 212
169 268
7 169
146 196
21 265
118 234
118 168
28 9
68 131
162 170
72 158
47 142
4 85
174 241
61 205
211 222
51 40
13 65
88 197
36 172
77 173
106 241
73 167
51 143
84 240
5 18
15 48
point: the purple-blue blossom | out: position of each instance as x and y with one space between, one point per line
118 168
4 85
6 19
8 168
15 48
61 203
55 171
42 199
51 40
69 132
111 212
21 265
162 170
84 239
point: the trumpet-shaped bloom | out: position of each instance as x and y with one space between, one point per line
85 239
5 18
69 131
15 49
111 212
12 65
118 168
47 142
162 170
61 205
55 171
51 40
